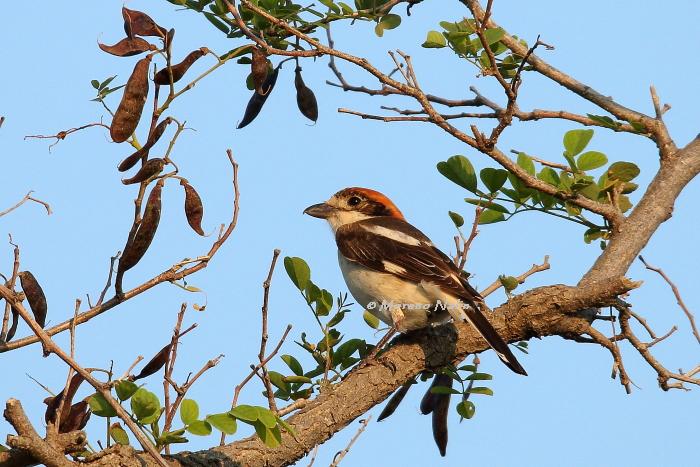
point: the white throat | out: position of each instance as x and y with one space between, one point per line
341 217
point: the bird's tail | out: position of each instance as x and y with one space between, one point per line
477 319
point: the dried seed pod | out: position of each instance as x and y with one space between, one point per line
136 248
138 23
430 399
194 210
35 296
13 328
77 418
395 401
169 39
127 116
149 169
53 403
440 412
256 102
128 47
158 131
306 100
179 70
156 363
259 68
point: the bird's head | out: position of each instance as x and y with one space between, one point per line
352 205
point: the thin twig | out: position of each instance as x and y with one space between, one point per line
28 197
341 454
677 294
263 334
521 278
61 135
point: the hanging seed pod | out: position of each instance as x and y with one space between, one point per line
158 131
134 250
127 116
440 413
256 102
77 418
395 401
151 168
35 296
13 328
179 70
306 100
137 23
194 210
156 363
259 68
53 403
128 47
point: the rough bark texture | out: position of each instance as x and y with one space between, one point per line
540 312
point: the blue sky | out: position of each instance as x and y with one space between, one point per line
567 412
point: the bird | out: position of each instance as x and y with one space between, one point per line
394 270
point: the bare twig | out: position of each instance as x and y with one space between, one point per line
27 197
61 135
10 284
263 334
341 454
617 357
521 278
677 294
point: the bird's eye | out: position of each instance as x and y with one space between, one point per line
354 201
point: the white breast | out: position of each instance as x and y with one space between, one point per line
372 287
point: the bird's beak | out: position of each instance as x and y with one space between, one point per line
320 210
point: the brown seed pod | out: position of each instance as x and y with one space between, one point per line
13 327
440 413
53 403
259 68
127 116
156 363
134 250
35 296
306 100
179 70
149 169
194 210
128 47
137 23
256 102
77 418
158 131
395 401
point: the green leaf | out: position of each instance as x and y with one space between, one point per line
286 426
549 175
486 203
494 35
479 377
125 389
435 40
145 406
604 120
118 434
371 320
526 163
493 178
591 160
245 413
100 407
592 234
443 390
466 409
390 21
336 319
267 418
297 379
459 170
271 437
456 218
332 6
278 380
489 216
324 303
189 411
173 437
293 364
467 368
480 390
298 271
623 171
199 428
571 161
346 349
509 283
576 141
224 422
220 25
95 84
